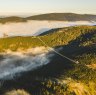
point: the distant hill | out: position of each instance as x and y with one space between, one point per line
64 17
12 19
52 17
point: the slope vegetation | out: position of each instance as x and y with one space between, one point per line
60 76
61 37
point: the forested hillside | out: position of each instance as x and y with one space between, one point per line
60 76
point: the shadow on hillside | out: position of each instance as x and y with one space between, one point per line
56 67
41 31
50 31
73 48
30 79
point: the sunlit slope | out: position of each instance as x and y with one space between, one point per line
85 35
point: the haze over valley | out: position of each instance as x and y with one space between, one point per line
34 28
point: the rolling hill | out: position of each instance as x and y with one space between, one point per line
60 76
58 37
51 17
64 17
12 19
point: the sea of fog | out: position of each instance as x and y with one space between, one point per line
13 64
33 27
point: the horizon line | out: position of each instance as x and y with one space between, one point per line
33 14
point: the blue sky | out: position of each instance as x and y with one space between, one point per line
47 6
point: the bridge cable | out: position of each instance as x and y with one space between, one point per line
76 62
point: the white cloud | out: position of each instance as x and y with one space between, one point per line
14 63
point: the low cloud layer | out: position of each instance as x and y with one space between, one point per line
13 63
31 28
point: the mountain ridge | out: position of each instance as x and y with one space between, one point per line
51 17
64 17
64 35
